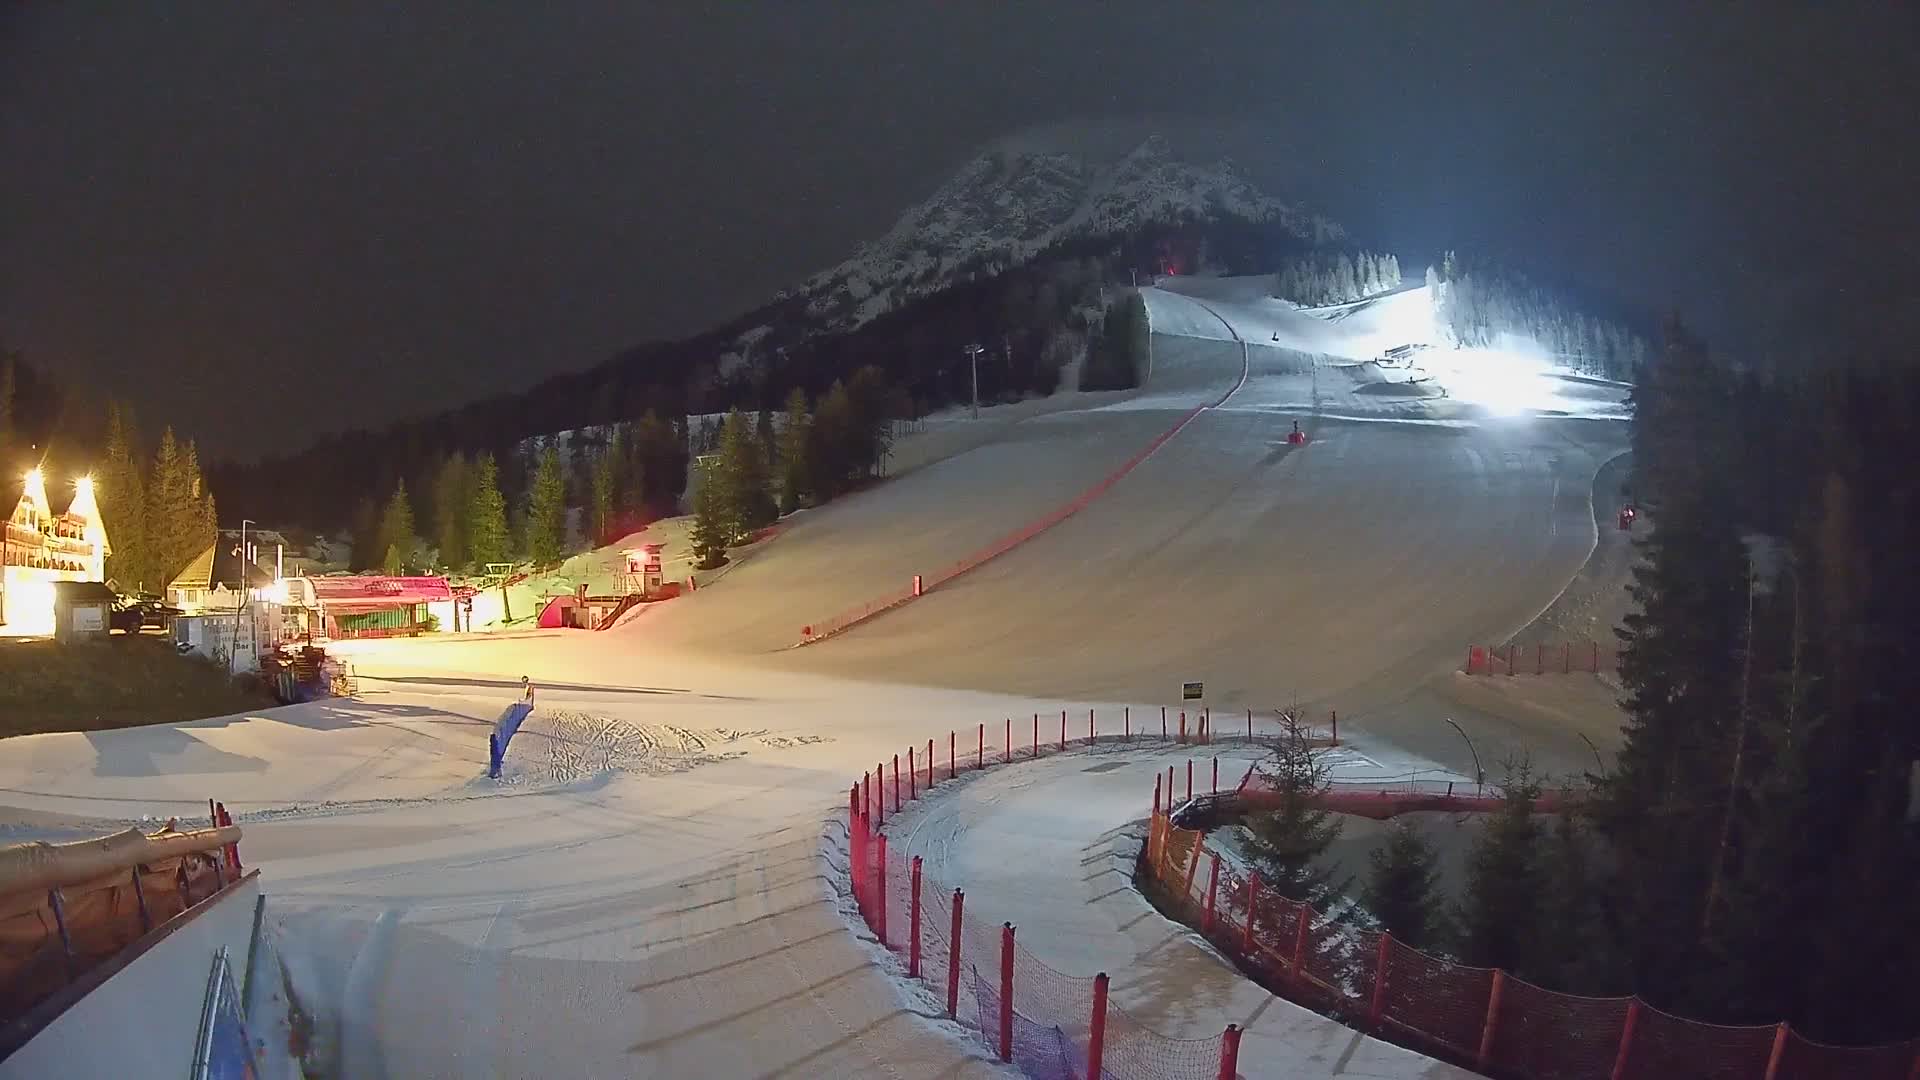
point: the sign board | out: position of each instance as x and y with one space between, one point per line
1191 691
89 619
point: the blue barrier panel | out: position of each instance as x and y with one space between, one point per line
503 729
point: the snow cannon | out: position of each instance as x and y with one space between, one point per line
1296 437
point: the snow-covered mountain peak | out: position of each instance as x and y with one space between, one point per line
1020 197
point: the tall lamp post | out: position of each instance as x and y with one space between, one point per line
973 354
1479 774
245 601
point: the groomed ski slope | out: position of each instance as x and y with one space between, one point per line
647 896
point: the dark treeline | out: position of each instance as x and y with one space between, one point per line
1033 322
1754 854
1761 817
1477 301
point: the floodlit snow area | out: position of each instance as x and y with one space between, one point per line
1050 846
651 889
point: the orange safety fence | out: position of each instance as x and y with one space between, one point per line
1488 1020
1051 1020
1542 658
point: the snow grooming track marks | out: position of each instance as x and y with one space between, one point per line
925 583
563 747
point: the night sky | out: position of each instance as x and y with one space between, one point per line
262 224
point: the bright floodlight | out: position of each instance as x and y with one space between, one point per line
34 478
84 485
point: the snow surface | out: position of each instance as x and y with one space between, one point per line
1036 844
645 892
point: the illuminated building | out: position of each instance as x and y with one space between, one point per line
38 548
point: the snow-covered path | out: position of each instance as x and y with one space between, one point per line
1037 844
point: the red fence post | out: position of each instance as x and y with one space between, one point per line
1230 1052
1249 725
1063 729
1779 1051
1126 723
880 793
953 955
1380 981
1156 792
1253 909
1626 1040
1009 739
1183 725
1097 1026
1493 1019
1216 776
1213 894
980 748
1036 734
1092 736
913 776
1006 991
1189 779
930 776
880 886
896 783
1333 717
913 923
1163 721
1169 789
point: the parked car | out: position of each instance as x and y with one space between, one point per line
132 614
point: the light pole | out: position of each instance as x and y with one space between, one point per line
973 354
1479 774
244 603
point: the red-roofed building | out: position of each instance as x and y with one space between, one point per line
371 606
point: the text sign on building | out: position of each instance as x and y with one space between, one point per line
1191 691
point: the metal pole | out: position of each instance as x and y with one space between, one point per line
1097 1026
233 647
1479 774
953 955
913 921
1006 991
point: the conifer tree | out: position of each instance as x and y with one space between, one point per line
397 541
452 495
123 503
8 387
711 528
745 505
1402 889
1285 842
547 511
172 513
1501 911
487 535
604 483
793 452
